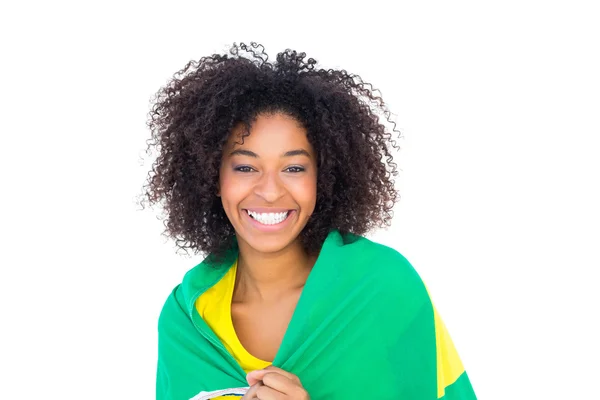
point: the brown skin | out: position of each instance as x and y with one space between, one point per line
272 266
273 383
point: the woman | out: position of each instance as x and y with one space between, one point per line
275 170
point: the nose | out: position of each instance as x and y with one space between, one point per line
270 187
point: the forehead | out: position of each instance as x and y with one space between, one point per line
273 132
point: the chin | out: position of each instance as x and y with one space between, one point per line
267 245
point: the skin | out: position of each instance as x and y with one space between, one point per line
273 170
273 383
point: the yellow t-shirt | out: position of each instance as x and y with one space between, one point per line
214 306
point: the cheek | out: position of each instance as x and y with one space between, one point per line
306 194
228 188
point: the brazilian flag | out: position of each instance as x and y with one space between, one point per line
364 328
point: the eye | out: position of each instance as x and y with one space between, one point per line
294 169
243 168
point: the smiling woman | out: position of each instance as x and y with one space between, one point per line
275 170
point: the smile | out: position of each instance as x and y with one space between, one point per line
269 218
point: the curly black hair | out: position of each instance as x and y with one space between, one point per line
193 115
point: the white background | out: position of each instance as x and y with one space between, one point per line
498 103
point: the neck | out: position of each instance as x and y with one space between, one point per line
269 277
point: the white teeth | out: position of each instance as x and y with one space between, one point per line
269 218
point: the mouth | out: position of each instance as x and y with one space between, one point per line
269 218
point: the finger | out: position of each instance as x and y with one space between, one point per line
287 374
280 383
267 393
258 375
251 393
255 376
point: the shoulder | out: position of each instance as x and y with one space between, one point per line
386 266
172 310
381 258
181 302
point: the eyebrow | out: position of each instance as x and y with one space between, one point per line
291 153
241 152
298 152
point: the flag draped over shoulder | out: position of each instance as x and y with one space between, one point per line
364 328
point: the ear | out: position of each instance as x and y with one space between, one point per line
218 190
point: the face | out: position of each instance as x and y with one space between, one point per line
268 185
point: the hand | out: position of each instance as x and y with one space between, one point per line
273 383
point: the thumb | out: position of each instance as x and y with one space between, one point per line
255 376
